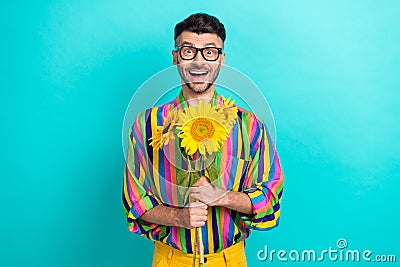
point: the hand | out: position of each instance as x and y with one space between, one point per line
193 215
207 193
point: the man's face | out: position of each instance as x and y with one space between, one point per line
198 74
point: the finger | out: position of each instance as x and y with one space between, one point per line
203 218
199 213
201 206
202 181
194 190
199 197
192 194
204 213
204 205
196 197
200 189
197 205
198 224
200 218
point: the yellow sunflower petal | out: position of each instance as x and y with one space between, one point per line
156 141
210 146
202 148
202 129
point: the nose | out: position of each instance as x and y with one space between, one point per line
199 57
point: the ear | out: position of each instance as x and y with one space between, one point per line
174 57
222 59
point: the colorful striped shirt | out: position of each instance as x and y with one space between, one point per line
247 162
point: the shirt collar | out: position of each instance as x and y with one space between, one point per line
180 100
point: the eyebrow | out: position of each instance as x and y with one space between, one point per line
191 44
187 43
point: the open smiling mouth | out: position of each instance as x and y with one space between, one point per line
198 75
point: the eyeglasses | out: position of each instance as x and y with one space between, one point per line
190 52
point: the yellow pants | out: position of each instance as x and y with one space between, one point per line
167 256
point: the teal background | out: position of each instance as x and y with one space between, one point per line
68 69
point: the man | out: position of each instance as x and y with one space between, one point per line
249 191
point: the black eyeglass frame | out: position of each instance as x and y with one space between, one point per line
179 49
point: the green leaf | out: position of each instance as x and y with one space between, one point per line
183 178
194 177
212 172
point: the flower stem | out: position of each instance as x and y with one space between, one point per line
201 247
198 234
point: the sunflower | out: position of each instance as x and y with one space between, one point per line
156 139
230 112
166 132
202 129
170 124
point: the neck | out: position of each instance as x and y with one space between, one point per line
193 98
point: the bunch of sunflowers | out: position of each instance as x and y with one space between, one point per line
201 130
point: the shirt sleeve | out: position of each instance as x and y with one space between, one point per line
267 177
135 199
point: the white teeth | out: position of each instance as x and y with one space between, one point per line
198 72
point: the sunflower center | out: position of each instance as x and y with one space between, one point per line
202 128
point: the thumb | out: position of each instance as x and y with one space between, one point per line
202 181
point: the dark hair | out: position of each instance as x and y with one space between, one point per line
201 23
